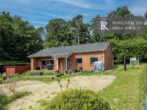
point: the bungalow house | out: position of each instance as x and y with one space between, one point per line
73 58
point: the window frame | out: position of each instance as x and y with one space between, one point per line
91 63
77 59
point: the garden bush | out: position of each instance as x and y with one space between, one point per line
1 79
77 100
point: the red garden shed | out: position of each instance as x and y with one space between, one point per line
11 69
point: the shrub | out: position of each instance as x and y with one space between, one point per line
4 77
77 100
11 83
1 79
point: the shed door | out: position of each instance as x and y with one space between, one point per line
10 70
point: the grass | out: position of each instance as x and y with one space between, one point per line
127 92
43 79
45 73
4 100
46 80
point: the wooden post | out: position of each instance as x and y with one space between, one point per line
66 64
57 65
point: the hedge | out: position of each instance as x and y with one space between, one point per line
129 48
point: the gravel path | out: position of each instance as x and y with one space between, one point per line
42 91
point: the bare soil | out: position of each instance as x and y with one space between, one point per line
43 91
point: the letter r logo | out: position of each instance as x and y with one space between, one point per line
103 25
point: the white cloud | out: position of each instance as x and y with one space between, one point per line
89 4
78 3
51 15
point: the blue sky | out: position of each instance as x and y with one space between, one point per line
39 12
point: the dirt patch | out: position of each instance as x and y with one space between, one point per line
42 91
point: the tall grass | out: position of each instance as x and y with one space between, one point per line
4 100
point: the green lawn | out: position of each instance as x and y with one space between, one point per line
45 73
127 92
46 80
4 100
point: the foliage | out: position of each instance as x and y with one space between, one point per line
129 48
14 62
62 33
4 100
145 33
56 33
77 100
61 85
18 37
121 12
11 83
67 85
1 79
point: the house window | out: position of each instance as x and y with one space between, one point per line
48 64
68 63
79 61
93 59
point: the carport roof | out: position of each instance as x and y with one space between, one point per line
65 51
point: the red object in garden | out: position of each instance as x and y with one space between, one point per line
13 69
